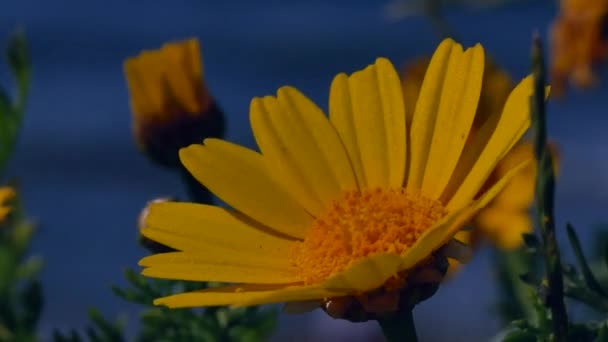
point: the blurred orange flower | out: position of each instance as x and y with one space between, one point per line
577 42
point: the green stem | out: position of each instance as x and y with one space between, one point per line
399 327
545 187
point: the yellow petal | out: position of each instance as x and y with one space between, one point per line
218 256
437 236
297 139
217 267
379 118
243 179
365 274
427 107
135 82
457 108
488 146
342 117
196 227
368 112
242 297
183 81
504 226
150 71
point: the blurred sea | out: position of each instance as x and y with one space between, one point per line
84 181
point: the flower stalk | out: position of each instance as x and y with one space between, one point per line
545 187
399 326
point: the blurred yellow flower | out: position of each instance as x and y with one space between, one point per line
343 206
507 216
169 99
6 194
576 42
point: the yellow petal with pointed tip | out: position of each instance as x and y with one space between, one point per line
243 179
193 227
457 108
427 107
243 297
379 118
488 146
297 138
189 266
342 118
368 112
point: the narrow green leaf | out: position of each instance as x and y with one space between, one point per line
520 336
588 275
603 333
31 298
19 61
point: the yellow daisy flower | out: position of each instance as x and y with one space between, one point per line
6 194
339 206
171 104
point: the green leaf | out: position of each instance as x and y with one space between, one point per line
32 302
29 268
72 337
110 332
520 336
588 275
22 235
603 333
19 61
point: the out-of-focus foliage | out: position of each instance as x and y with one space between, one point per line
20 291
541 313
101 330
210 324
12 107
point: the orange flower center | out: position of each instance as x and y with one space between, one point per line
361 224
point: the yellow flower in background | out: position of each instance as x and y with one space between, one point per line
6 194
342 206
507 216
171 104
577 42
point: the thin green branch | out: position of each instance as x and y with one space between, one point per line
545 187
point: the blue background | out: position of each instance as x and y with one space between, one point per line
84 181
